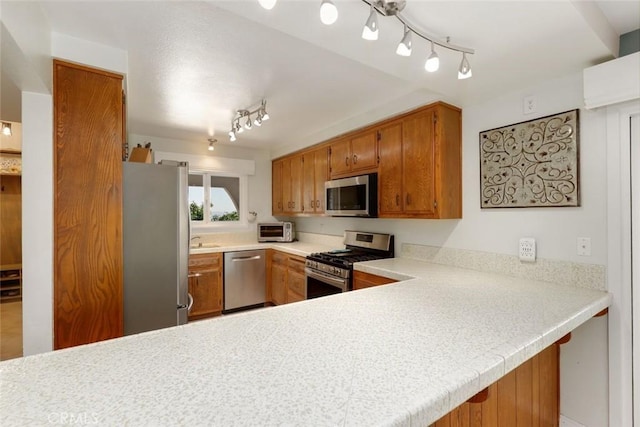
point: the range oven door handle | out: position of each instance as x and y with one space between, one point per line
330 280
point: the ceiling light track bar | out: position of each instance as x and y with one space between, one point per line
412 27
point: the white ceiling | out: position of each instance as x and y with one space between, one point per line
192 64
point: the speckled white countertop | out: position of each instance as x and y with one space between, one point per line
400 354
294 248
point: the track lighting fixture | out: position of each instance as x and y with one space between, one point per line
211 142
370 30
328 12
267 4
6 129
261 116
329 15
404 47
433 61
464 72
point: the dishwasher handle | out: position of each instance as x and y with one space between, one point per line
245 258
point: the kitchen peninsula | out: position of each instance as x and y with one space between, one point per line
400 354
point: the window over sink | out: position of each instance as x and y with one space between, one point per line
214 198
218 191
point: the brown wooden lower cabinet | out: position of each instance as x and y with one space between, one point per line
286 281
363 280
526 397
205 285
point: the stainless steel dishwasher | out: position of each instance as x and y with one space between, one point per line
244 280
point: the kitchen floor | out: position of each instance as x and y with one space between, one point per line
10 330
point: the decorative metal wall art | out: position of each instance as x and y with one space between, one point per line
531 164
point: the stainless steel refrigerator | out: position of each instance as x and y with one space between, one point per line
156 246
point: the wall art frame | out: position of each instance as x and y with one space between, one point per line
531 164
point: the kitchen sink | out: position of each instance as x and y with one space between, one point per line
201 245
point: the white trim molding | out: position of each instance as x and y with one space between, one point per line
612 82
618 119
237 167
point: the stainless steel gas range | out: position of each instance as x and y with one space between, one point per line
332 272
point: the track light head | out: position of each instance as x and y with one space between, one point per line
328 12
370 30
267 4
464 72
404 47
211 142
6 129
433 61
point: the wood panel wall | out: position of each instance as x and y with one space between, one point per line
88 129
10 219
528 396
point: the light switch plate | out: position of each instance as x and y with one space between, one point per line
527 251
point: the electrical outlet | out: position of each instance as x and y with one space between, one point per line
529 105
527 249
584 246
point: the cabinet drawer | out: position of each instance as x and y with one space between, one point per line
205 260
279 258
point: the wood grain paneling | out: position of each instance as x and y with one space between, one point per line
390 171
10 219
448 165
276 188
525 397
418 163
88 133
205 285
363 280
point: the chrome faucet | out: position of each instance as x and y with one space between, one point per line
197 237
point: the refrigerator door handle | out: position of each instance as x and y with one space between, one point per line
190 302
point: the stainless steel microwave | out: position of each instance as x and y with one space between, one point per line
355 196
276 231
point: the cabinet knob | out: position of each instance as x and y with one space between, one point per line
317 203
346 161
355 159
408 199
397 200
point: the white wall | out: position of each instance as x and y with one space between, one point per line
584 359
498 230
37 223
259 184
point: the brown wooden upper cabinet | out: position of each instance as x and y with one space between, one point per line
420 165
277 203
292 174
418 157
353 155
315 174
88 263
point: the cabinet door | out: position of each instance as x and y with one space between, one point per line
205 288
205 285
315 174
321 175
278 278
276 188
390 171
309 183
340 162
418 164
292 175
87 217
296 282
364 153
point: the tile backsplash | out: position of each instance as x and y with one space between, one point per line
590 276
